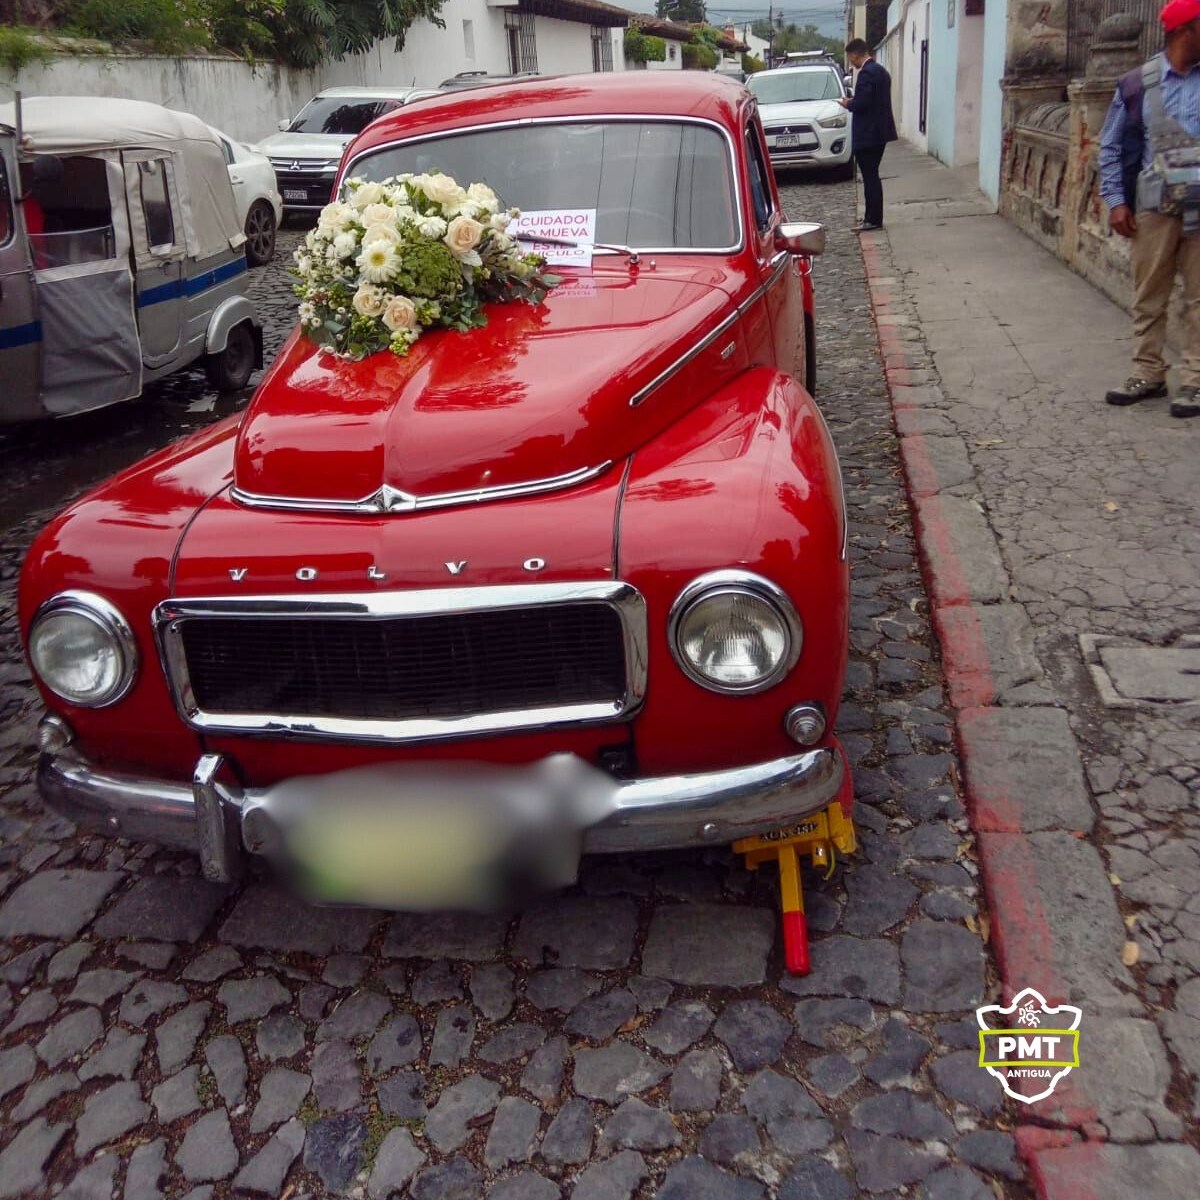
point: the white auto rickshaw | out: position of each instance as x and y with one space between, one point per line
121 255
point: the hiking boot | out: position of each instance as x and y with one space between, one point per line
1186 402
1135 389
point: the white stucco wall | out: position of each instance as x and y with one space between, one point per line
563 47
967 92
991 132
669 64
244 101
913 28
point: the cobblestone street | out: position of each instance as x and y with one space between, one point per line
635 1037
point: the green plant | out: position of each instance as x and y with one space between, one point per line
699 56
379 1125
20 47
309 1112
169 26
310 31
206 1089
644 47
750 64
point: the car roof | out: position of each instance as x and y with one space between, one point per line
371 92
801 66
697 94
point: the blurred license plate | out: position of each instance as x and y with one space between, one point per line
784 140
295 194
450 837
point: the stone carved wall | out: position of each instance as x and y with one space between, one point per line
1052 134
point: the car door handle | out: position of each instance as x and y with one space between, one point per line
235 179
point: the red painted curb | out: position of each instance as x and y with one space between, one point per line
1020 928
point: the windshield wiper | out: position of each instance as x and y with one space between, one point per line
634 256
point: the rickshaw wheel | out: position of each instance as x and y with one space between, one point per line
260 234
230 369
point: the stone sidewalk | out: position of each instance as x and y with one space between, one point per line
1058 537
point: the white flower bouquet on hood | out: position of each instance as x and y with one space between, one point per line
406 254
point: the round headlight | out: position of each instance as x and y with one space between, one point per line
83 649
732 631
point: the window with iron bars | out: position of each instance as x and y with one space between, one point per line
602 59
522 42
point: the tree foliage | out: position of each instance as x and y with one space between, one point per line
681 11
796 37
699 56
302 33
644 47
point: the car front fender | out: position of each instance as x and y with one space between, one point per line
230 313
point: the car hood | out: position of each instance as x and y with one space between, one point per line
539 393
304 145
799 110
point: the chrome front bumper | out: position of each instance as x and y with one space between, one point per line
222 821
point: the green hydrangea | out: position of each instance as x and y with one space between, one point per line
429 271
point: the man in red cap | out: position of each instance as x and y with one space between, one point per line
1156 112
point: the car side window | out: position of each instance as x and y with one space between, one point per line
227 147
760 181
156 204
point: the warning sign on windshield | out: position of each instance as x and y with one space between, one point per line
560 225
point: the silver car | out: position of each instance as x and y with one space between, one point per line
306 151
804 124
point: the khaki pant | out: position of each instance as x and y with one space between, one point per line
1159 250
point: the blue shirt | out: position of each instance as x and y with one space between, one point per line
1181 100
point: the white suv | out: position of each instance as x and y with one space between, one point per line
307 150
804 124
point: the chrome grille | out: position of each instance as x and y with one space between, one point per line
407 666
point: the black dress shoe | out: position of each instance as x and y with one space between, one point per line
867 227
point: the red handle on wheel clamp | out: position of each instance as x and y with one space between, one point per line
795 943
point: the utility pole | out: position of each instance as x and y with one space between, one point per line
770 36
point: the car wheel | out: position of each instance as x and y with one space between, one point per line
230 369
810 355
260 234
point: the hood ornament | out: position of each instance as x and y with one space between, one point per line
392 500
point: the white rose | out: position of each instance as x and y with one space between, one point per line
462 235
400 314
378 262
365 195
345 244
378 214
441 189
333 219
431 227
381 233
369 301
483 196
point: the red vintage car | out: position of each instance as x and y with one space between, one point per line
572 582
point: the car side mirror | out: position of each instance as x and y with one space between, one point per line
284 125
801 237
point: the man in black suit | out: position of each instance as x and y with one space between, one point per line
873 126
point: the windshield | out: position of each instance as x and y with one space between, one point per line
340 114
653 184
794 84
